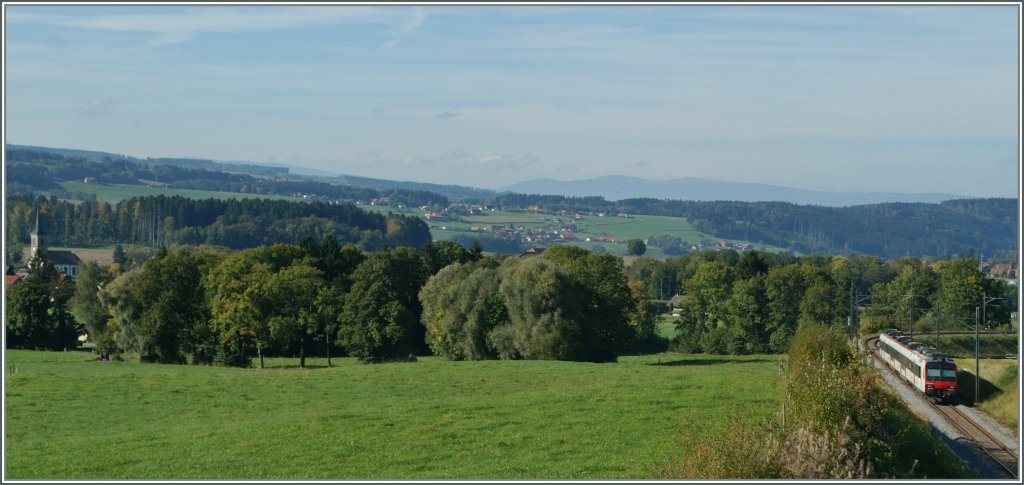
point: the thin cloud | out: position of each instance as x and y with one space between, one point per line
508 162
448 115
418 16
96 107
181 26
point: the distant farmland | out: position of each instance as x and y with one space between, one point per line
620 229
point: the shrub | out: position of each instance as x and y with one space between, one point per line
716 340
769 452
802 453
736 453
815 344
687 341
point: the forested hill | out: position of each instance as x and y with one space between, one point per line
891 230
888 230
234 223
94 156
30 171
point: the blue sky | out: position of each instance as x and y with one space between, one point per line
858 98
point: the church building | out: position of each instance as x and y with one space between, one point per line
65 262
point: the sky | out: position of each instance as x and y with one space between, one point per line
842 98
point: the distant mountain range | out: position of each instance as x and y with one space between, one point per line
689 188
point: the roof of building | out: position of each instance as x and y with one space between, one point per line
63 257
12 279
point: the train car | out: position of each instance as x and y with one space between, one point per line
931 372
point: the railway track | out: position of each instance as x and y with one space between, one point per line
991 446
983 440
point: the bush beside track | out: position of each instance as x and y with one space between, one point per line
838 421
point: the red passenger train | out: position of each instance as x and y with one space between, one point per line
929 371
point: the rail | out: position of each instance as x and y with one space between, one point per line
984 440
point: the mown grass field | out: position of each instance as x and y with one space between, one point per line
69 417
117 192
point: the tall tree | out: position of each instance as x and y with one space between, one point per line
86 304
237 305
785 287
748 315
636 247
380 319
290 305
706 294
545 312
961 288
37 316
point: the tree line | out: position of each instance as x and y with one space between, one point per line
753 302
213 306
233 223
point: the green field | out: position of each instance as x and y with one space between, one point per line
621 228
666 325
71 417
999 390
117 192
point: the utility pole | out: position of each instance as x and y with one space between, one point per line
984 302
977 356
854 323
911 318
912 313
977 345
853 309
938 320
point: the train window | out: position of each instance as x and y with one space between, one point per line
934 371
949 371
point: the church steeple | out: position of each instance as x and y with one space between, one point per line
37 238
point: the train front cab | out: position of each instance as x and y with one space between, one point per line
940 380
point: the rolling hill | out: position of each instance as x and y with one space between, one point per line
689 188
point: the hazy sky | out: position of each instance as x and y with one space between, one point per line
909 99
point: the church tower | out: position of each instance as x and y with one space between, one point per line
37 238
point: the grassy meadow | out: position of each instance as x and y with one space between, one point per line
1000 396
71 417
